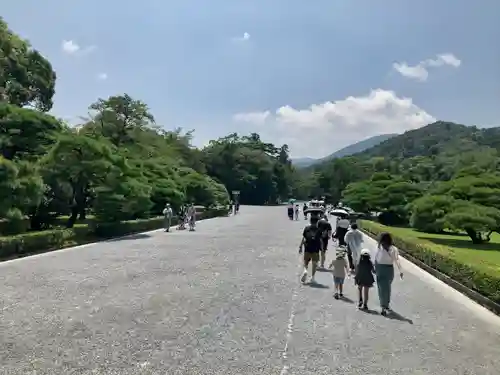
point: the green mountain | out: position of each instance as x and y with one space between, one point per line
436 139
346 151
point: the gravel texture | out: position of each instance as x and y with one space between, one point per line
224 300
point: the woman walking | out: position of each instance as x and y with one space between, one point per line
387 256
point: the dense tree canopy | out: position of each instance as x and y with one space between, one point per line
26 77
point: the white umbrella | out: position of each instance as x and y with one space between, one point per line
339 212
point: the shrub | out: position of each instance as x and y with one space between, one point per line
471 277
38 242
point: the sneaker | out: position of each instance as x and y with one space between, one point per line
336 296
383 312
365 306
341 295
360 304
303 277
313 280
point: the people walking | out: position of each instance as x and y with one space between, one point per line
354 242
310 245
364 278
339 271
326 232
304 210
296 212
167 214
387 256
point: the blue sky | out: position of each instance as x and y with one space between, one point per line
317 75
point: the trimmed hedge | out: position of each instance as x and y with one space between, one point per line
38 242
485 284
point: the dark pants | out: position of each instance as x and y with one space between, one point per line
341 232
349 258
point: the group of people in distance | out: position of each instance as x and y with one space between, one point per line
350 259
187 215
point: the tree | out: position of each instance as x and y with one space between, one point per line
26 77
26 133
21 188
260 171
74 167
118 117
428 213
385 194
470 203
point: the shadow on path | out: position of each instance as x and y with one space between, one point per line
395 316
346 299
317 285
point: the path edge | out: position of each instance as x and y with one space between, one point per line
92 243
472 294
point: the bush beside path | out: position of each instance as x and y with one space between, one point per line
476 267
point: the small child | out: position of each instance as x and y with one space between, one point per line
340 270
364 278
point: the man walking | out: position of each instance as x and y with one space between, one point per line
167 213
354 241
326 232
311 247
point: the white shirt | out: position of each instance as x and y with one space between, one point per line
354 238
343 223
388 257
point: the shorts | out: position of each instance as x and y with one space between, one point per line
338 280
311 257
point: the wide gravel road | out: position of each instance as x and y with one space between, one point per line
226 300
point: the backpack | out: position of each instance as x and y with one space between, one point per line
313 234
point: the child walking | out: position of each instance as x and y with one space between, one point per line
364 278
340 270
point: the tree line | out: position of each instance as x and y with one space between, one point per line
118 164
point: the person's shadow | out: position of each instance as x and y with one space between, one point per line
346 299
317 285
390 315
396 316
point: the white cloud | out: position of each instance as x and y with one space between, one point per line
420 72
242 38
72 48
102 76
257 118
324 128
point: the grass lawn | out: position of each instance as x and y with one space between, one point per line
484 257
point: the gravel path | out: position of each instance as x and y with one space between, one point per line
226 300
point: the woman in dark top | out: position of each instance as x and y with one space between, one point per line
364 278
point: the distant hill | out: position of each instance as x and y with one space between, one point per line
359 146
304 162
437 138
346 151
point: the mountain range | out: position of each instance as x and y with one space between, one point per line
355 148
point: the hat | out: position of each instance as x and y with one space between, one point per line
365 252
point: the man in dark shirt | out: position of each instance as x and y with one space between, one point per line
311 246
326 232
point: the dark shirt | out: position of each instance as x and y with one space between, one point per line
325 227
312 235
